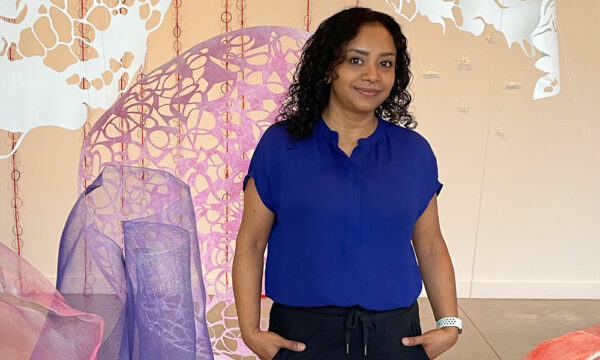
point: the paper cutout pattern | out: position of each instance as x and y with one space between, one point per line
44 38
532 21
152 298
36 319
204 130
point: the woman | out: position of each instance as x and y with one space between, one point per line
339 189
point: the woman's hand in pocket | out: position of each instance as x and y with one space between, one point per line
266 344
435 342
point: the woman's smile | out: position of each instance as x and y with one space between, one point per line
364 77
368 92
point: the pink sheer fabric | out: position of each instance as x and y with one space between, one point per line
37 322
577 345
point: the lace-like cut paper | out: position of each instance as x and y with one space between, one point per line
521 21
203 129
68 53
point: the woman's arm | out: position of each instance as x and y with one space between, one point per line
251 242
438 276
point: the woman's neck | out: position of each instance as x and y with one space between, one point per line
350 127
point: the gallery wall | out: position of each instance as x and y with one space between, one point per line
520 205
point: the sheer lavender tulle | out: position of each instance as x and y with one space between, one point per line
37 323
129 254
199 117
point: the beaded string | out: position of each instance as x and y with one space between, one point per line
15 175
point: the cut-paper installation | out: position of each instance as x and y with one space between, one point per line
512 85
63 55
199 117
430 74
464 63
521 22
502 133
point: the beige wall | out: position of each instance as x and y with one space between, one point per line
520 205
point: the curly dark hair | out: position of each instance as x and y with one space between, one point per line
308 95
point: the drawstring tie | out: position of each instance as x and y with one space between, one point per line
352 322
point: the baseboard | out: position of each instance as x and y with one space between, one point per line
515 289
527 289
536 289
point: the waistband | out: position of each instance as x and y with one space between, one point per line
343 311
352 315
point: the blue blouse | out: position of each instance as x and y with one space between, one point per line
343 225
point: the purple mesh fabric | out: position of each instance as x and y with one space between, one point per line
37 322
129 254
199 117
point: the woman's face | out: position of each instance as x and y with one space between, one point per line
366 75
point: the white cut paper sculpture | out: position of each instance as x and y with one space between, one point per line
431 74
520 21
43 67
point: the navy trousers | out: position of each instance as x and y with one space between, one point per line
347 333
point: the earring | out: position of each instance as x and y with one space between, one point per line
327 79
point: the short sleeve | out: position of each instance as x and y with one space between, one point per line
429 175
259 171
436 184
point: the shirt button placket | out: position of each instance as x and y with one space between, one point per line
353 221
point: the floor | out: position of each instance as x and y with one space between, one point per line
506 329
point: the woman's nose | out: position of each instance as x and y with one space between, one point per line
371 73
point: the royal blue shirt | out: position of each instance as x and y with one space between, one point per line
343 225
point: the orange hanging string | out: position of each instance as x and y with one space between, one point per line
177 53
227 18
123 80
177 47
82 85
307 17
142 125
15 175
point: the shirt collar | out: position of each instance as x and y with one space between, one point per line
323 130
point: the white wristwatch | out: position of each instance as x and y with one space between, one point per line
450 321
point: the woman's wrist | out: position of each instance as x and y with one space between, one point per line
452 333
249 333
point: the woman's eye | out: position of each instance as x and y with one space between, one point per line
355 61
387 64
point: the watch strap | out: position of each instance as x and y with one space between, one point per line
450 321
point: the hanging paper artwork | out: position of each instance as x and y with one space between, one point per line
56 56
199 117
532 21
